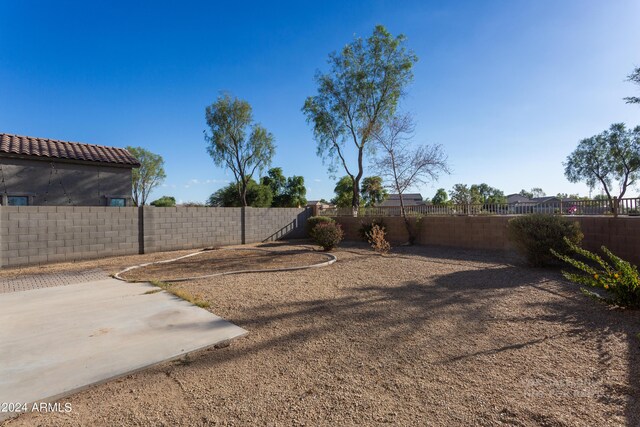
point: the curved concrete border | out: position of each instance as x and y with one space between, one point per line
332 259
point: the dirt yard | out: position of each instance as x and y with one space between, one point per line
424 336
227 260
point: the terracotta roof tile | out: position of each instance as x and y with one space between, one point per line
41 147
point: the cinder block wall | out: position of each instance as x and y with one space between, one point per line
43 234
621 235
167 229
275 223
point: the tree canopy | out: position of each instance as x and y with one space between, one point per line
164 202
237 142
635 78
148 176
343 192
533 193
359 93
257 196
610 159
373 191
441 197
476 194
487 194
461 194
287 192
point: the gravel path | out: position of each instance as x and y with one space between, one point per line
60 278
424 336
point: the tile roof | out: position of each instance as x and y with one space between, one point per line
41 147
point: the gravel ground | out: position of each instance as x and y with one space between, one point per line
424 336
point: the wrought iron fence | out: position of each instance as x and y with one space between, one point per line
629 206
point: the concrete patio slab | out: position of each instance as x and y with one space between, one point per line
56 341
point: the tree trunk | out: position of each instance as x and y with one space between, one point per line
406 220
355 200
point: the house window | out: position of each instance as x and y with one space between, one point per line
18 200
117 201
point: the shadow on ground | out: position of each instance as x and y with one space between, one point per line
518 329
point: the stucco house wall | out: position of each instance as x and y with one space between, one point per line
64 184
47 172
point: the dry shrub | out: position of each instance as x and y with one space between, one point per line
377 240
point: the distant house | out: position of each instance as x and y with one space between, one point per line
553 204
517 198
39 171
409 199
319 205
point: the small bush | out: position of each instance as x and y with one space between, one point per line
164 202
377 240
534 235
315 220
365 228
619 279
327 235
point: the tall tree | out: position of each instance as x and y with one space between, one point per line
440 198
237 142
373 191
358 95
404 166
611 159
148 176
635 78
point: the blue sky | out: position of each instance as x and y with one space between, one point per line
507 87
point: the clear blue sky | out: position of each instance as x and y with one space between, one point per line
507 87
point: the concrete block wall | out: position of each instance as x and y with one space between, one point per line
275 223
621 235
44 234
167 229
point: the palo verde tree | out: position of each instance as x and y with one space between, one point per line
148 176
236 142
610 159
404 166
359 94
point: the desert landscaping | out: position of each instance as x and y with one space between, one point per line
427 336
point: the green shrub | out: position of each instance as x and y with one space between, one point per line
315 220
619 279
534 235
164 202
365 228
327 235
